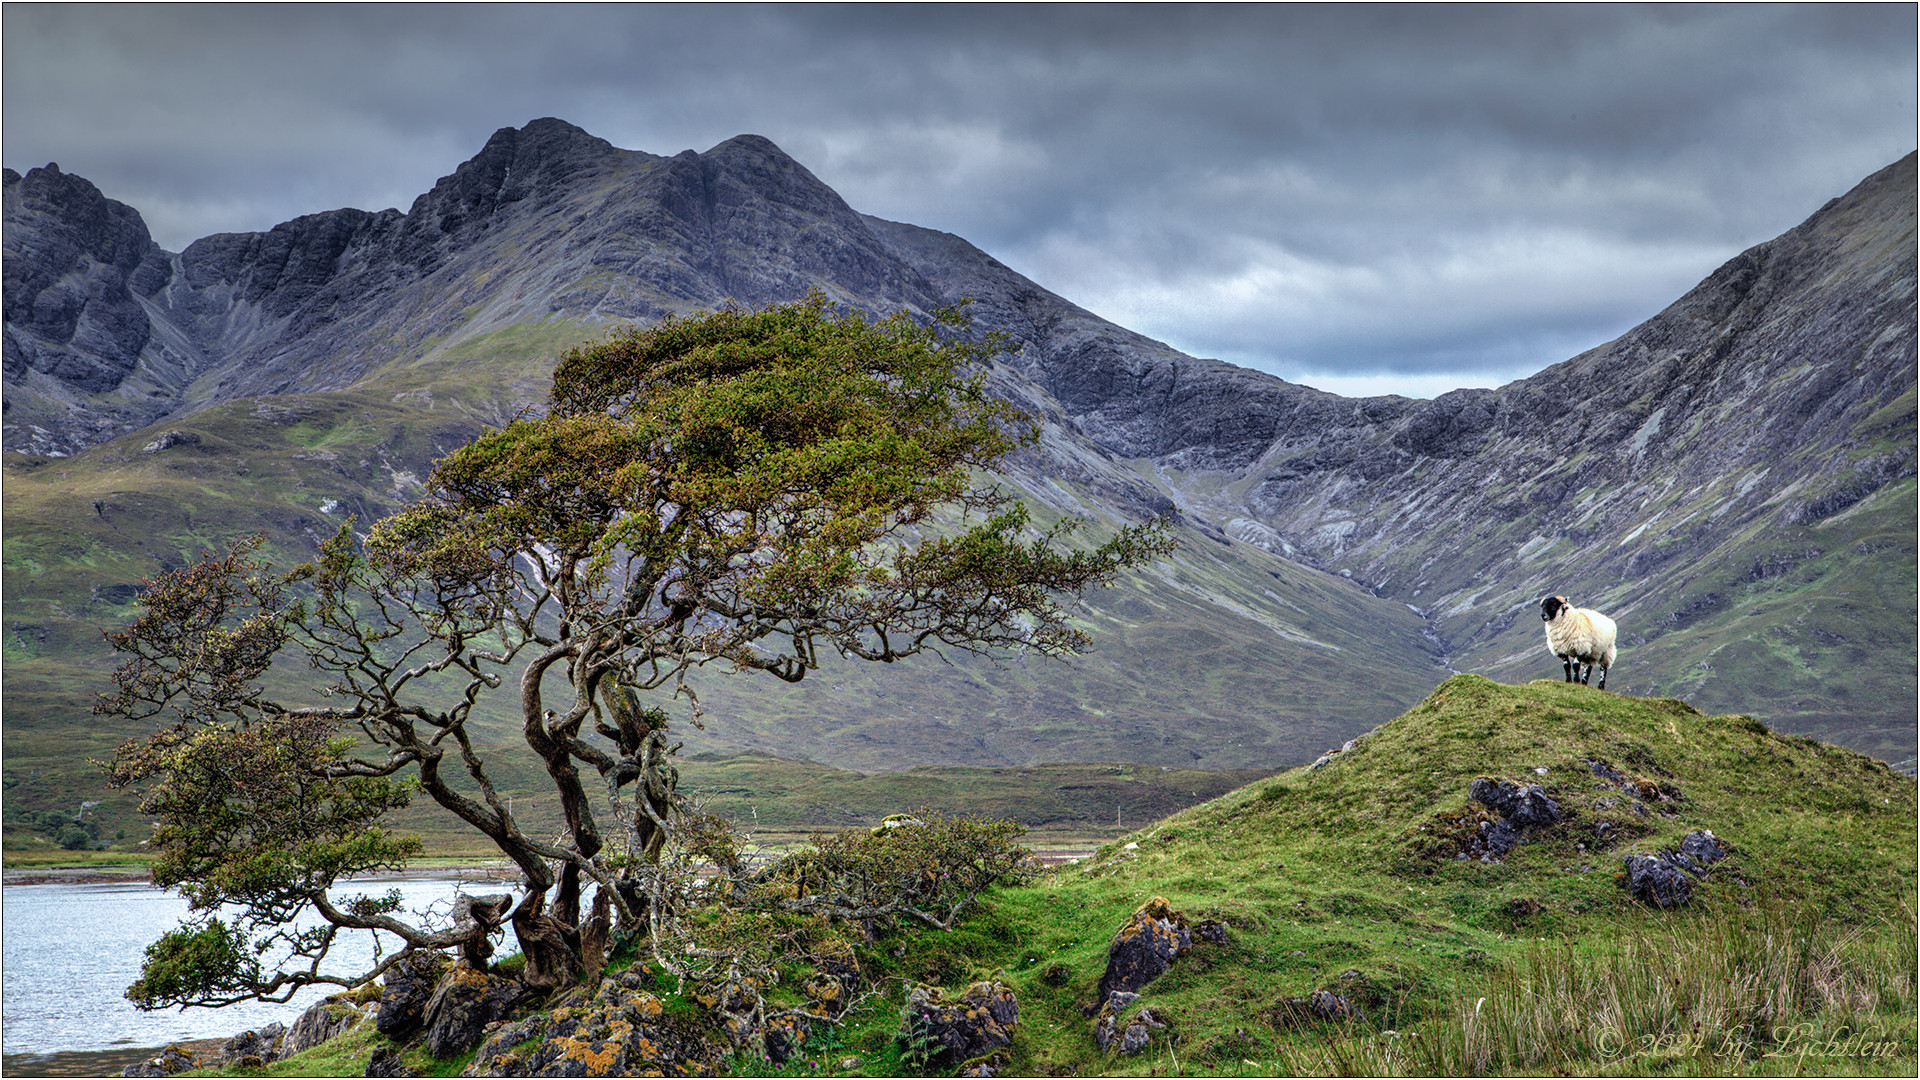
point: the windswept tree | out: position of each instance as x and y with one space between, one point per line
747 489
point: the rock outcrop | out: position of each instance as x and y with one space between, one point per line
464 1003
322 1021
621 1030
939 1033
1146 946
1666 879
407 988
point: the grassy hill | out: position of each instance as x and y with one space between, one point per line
1796 953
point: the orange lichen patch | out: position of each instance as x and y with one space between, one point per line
647 1006
1159 909
466 975
596 1058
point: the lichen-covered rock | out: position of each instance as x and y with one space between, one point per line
386 1061
175 1058
623 1030
1663 879
835 981
784 1037
943 1033
464 1003
407 987
1654 880
255 1047
1147 945
318 1024
1525 806
1318 1007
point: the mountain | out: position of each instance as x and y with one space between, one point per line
1733 480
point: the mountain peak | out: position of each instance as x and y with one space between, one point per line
514 164
748 143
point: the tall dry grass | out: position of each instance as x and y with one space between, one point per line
1735 991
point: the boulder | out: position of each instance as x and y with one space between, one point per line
1654 880
170 439
386 1061
1524 806
1152 938
1137 1032
175 1058
464 1003
254 1047
318 1024
1320 1006
1663 880
408 986
1701 849
944 1033
621 1030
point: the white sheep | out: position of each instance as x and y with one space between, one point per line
1578 636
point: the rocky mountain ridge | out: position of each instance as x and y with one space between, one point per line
546 221
1733 478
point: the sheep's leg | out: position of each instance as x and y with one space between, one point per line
1586 671
1567 663
1603 678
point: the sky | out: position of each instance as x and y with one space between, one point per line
1363 198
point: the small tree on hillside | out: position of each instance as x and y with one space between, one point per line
742 488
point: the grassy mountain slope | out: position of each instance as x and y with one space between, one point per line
1341 878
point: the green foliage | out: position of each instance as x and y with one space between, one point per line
256 815
73 837
200 961
929 868
204 636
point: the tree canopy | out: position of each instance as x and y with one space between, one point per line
740 488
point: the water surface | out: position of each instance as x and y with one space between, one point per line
69 951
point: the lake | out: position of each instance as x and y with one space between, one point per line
69 951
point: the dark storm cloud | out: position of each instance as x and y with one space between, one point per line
1368 198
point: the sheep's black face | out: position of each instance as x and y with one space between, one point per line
1551 607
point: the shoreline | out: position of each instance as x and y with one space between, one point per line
135 874
96 1062
76 875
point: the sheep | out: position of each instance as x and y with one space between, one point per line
1578 636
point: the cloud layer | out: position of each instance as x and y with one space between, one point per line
1367 198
